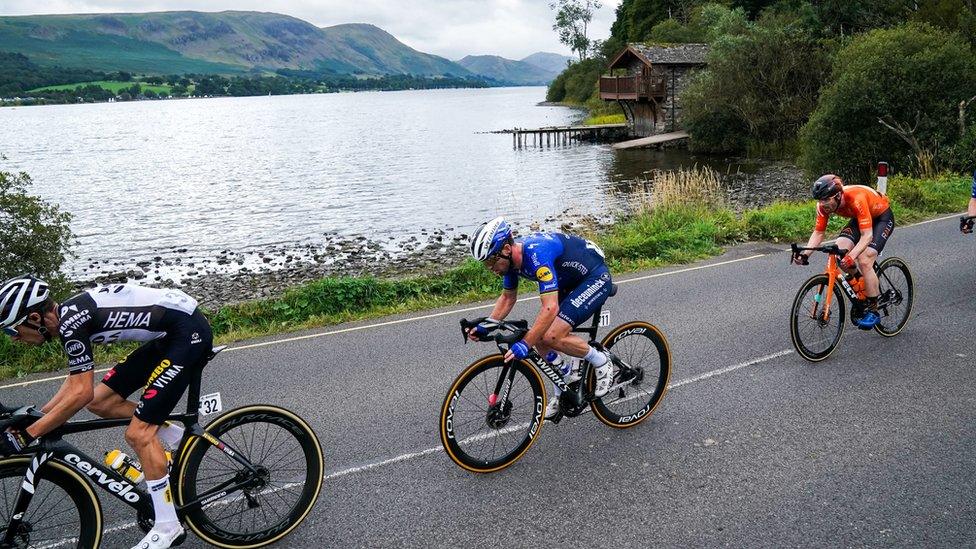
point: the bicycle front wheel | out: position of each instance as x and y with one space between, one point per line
642 368
484 434
288 458
897 296
814 329
63 512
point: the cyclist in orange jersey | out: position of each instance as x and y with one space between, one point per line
864 237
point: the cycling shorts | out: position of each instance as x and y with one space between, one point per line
578 304
883 226
163 368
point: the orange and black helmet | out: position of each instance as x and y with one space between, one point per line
827 186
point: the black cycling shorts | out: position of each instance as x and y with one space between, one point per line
163 367
578 304
884 225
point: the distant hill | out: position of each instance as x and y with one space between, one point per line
507 70
226 42
552 62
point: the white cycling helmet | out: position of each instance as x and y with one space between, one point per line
20 296
489 239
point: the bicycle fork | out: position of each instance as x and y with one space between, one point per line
24 498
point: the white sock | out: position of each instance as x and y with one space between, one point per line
162 498
171 434
596 358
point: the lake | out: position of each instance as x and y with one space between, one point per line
193 178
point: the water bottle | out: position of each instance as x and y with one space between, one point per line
124 465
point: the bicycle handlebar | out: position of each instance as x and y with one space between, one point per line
516 330
831 249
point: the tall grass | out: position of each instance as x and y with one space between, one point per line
697 186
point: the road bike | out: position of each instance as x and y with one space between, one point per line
818 312
246 480
494 410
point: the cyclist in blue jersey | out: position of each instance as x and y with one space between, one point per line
573 283
966 226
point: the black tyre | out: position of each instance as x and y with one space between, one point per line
481 437
289 458
64 511
642 369
897 297
814 334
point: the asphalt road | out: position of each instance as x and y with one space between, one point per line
752 447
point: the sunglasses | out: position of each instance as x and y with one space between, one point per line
490 262
12 329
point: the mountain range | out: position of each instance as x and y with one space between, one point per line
236 42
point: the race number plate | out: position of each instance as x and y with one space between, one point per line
210 404
604 319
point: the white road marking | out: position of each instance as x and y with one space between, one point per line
402 320
437 449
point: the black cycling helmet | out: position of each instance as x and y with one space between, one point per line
21 296
827 186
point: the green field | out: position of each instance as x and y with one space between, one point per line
110 85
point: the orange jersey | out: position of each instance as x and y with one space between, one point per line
859 202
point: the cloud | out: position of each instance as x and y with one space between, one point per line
449 28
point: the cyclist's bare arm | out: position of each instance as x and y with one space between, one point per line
816 237
504 304
76 392
547 313
972 207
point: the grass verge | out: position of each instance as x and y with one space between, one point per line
660 232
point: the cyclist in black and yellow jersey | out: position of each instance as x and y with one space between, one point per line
178 341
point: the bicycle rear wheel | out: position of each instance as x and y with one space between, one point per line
815 334
482 436
289 460
64 511
642 368
897 296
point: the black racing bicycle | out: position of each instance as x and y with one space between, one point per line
246 480
494 410
817 316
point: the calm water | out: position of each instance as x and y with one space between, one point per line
145 178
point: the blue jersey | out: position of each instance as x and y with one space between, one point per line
556 261
974 184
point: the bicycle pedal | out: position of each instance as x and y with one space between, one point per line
179 540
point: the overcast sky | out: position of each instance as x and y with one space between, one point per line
449 28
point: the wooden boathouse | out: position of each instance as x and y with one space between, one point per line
647 82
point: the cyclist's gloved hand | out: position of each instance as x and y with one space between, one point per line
520 349
483 328
801 259
847 262
14 442
966 225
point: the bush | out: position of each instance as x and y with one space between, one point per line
913 75
759 86
36 235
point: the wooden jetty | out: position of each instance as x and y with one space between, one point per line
554 136
651 141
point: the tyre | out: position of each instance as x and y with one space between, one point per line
897 297
814 334
483 438
289 460
64 511
642 369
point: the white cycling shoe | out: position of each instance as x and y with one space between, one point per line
604 379
553 407
161 539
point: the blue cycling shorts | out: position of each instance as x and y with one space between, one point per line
974 184
578 304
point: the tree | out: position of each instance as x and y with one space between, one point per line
894 95
36 234
572 19
760 86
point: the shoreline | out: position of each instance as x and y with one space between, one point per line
227 277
